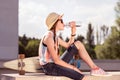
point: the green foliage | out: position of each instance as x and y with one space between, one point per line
90 42
90 51
90 36
80 38
117 9
111 47
24 40
21 48
32 48
28 46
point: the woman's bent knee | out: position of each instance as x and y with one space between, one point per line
78 44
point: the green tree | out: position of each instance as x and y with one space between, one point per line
111 47
32 48
104 30
90 36
117 9
90 42
23 40
80 38
21 48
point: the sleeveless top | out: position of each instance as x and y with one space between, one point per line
44 55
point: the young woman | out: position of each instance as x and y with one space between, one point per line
52 63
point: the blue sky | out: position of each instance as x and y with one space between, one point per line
32 14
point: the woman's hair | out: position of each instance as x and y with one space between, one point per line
54 37
54 31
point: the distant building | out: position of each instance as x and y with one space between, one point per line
8 29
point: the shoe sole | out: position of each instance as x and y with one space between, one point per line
101 75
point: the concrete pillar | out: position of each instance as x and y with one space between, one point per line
8 29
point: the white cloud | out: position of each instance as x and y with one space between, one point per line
32 14
31 20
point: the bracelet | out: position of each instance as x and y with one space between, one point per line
73 34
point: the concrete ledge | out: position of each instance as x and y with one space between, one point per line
41 76
32 76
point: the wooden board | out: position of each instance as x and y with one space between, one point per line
31 64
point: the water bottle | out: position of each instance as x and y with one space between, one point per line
77 24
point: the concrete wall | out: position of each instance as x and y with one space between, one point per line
8 29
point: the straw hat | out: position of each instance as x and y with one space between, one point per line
51 19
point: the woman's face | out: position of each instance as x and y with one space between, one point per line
60 24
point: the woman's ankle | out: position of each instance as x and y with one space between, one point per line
95 67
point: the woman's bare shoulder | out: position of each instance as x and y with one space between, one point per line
48 35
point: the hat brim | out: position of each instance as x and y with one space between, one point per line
59 17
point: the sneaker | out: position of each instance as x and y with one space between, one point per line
99 72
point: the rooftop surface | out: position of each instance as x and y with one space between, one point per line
41 76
